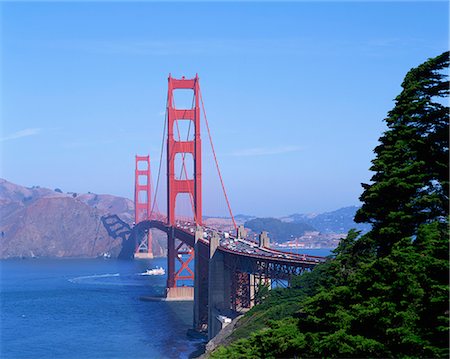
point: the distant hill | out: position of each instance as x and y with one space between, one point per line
295 225
279 231
241 218
339 221
49 223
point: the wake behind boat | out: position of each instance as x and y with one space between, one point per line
154 271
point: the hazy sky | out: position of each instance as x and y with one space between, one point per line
295 92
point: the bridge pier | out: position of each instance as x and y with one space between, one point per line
200 282
219 293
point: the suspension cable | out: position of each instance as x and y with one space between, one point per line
160 160
152 194
217 163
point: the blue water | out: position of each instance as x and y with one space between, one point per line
320 252
89 308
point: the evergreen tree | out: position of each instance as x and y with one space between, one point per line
410 184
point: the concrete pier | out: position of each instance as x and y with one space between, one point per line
179 293
144 255
200 282
219 288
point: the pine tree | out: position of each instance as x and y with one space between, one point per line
410 184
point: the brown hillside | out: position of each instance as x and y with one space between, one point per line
42 222
56 227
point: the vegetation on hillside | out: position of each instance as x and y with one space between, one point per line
384 294
279 231
338 221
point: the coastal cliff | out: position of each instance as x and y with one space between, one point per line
40 222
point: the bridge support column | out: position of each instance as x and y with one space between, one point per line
219 293
264 240
193 187
252 289
200 283
170 259
241 232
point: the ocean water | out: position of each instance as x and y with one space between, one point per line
89 308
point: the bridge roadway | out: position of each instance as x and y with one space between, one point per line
229 243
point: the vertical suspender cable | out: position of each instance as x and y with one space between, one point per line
217 163
160 162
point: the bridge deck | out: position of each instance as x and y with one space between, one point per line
229 243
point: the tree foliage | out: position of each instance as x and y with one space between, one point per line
410 184
384 294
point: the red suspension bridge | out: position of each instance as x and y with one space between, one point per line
229 268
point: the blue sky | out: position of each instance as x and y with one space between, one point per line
295 92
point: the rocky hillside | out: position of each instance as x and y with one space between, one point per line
44 222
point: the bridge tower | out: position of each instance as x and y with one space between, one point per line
142 203
193 187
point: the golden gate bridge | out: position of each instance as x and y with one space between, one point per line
229 268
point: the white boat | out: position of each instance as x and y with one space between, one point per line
155 271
